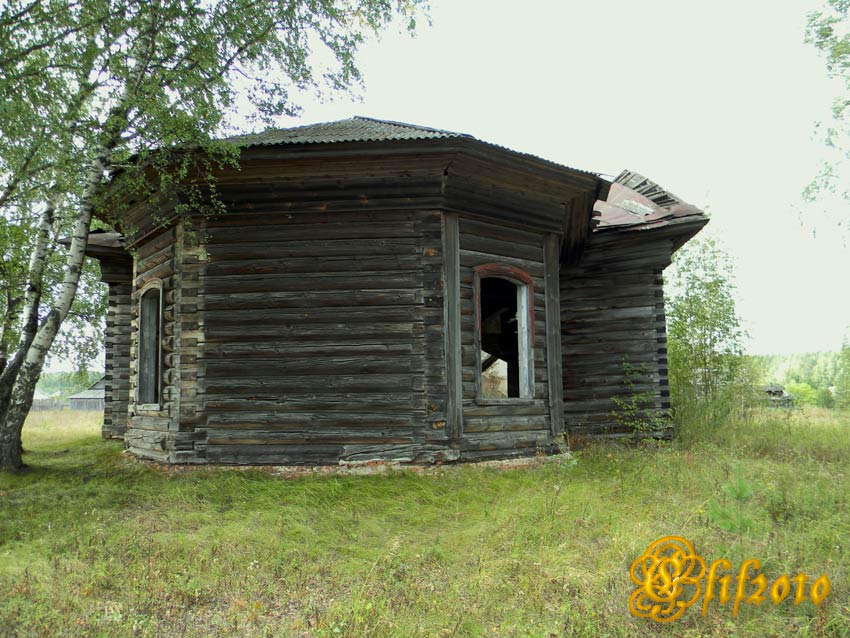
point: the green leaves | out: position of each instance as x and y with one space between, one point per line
828 30
105 101
842 378
143 80
704 330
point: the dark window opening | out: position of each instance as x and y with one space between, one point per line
500 338
149 347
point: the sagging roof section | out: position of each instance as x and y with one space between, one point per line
648 189
636 203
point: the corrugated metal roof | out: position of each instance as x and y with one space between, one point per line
96 390
89 394
367 129
355 129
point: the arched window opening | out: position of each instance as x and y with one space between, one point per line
499 339
150 340
504 334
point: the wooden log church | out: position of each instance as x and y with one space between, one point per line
365 286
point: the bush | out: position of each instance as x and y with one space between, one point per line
803 393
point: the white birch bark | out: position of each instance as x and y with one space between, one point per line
31 304
20 400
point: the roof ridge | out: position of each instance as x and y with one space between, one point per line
357 128
415 127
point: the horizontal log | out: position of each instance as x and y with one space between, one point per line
285 347
374 402
309 230
506 423
412 453
273 454
284 218
506 440
315 249
470 259
271 319
319 332
512 235
340 283
315 384
310 366
507 249
157 243
316 299
315 268
620 348
267 438
156 258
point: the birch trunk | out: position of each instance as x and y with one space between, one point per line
21 385
29 315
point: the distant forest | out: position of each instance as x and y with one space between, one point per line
811 377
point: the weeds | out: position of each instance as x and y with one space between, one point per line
93 543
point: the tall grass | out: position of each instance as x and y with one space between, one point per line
93 543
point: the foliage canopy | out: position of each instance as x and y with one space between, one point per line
704 330
98 89
828 30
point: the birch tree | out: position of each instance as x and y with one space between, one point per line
704 330
96 88
828 30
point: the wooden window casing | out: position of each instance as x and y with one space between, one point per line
149 385
525 327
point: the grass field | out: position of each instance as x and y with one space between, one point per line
93 543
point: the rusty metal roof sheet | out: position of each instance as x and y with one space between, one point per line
635 202
355 129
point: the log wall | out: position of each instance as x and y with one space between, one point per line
614 339
154 433
321 339
117 375
512 426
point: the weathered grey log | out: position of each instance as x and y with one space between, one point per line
331 313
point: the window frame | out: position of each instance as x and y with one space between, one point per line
525 328
155 284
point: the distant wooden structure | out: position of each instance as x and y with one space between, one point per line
41 401
92 398
365 275
777 397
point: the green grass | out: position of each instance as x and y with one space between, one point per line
93 543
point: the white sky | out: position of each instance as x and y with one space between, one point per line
715 101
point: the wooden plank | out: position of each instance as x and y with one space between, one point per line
310 267
451 277
279 282
552 253
316 299
315 332
315 384
281 367
525 344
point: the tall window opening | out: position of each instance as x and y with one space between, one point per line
150 339
504 334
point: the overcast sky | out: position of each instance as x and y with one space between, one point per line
715 101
